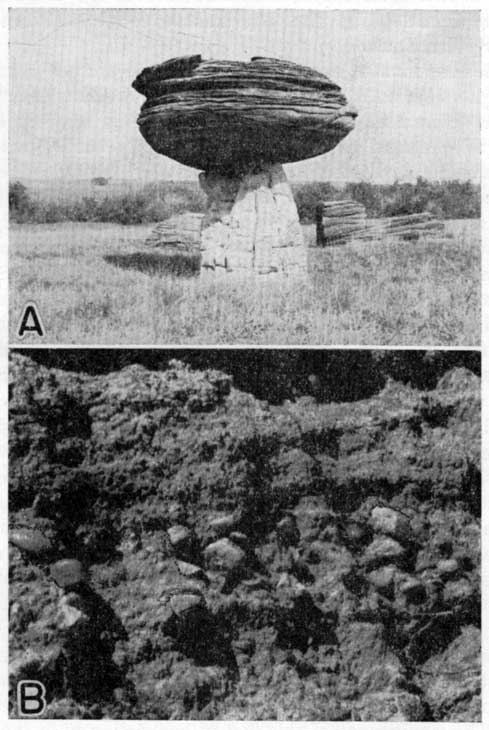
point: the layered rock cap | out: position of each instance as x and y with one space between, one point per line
230 115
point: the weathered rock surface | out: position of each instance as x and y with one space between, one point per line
177 234
216 115
252 223
321 628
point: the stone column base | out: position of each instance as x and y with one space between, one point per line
252 224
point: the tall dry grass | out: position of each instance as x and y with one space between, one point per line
94 284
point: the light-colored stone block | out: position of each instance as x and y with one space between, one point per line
252 223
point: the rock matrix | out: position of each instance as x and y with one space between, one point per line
239 123
245 561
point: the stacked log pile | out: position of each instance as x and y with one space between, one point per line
406 227
338 221
178 234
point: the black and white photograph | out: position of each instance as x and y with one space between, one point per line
245 534
243 429
244 177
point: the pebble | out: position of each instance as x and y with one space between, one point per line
392 523
447 568
180 537
185 602
457 590
31 541
383 550
68 573
383 578
222 525
189 570
224 555
71 613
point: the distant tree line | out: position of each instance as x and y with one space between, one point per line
157 201
447 199
150 203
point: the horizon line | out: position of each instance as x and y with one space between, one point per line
332 181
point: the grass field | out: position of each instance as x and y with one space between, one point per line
94 284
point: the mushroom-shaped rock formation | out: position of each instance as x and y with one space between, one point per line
239 122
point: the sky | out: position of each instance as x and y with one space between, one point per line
413 75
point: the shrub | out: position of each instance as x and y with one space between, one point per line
19 203
157 201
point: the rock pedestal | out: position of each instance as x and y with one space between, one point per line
251 223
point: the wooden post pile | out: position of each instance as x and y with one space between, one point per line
338 221
178 234
404 227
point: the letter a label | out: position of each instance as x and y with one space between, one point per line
31 698
30 321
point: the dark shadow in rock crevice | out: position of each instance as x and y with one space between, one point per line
157 264
206 640
89 672
304 625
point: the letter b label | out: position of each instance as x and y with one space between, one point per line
31 698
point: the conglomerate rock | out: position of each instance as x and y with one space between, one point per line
345 583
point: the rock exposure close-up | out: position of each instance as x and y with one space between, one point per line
239 123
181 549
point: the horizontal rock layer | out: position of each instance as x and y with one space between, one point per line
230 114
179 233
405 227
339 221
